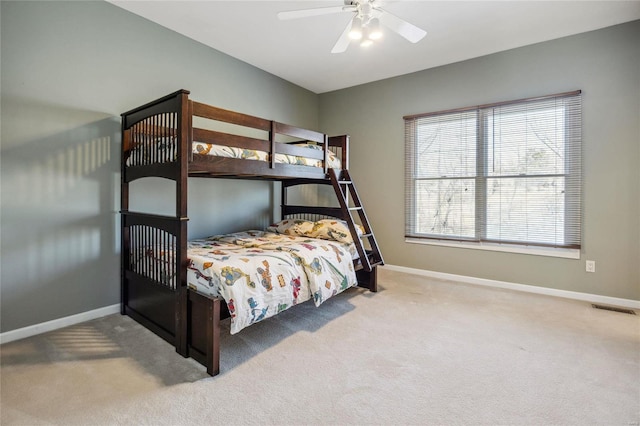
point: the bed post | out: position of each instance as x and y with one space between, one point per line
272 144
204 330
368 279
341 142
184 150
124 232
213 337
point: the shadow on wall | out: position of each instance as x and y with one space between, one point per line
216 206
60 210
59 205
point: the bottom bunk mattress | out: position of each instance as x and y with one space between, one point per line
260 274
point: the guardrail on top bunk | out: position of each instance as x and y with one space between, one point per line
155 137
158 138
272 127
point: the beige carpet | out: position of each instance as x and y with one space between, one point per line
418 352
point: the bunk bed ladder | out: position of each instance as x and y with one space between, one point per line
344 187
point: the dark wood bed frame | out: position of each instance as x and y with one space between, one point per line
159 298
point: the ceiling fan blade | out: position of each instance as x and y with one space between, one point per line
343 41
402 27
294 14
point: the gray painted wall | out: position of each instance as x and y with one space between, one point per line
68 70
605 64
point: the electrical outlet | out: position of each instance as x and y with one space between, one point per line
591 266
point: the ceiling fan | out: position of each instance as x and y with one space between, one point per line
365 24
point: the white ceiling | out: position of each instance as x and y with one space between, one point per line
299 50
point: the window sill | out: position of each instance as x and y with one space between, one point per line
509 248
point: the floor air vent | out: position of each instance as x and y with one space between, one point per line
614 309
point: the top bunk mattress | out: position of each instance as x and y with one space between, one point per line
167 151
254 154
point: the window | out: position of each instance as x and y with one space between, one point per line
505 173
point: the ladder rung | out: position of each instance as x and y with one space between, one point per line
345 187
372 264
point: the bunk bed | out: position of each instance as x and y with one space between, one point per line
160 269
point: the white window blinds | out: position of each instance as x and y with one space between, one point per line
503 173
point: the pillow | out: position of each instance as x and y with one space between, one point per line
308 145
287 226
304 228
333 229
157 151
325 229
332 158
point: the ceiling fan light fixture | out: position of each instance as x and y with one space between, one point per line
365 25
366 8
355 33
375 33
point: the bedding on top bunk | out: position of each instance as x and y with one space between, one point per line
253 154
202 148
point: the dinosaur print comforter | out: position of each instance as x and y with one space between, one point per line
260 274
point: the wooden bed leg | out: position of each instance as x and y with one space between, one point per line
181 333
213 337
373 279
368 279
203 331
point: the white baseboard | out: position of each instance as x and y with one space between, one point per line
587 297
32 330
44 327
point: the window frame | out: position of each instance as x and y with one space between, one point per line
572 199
